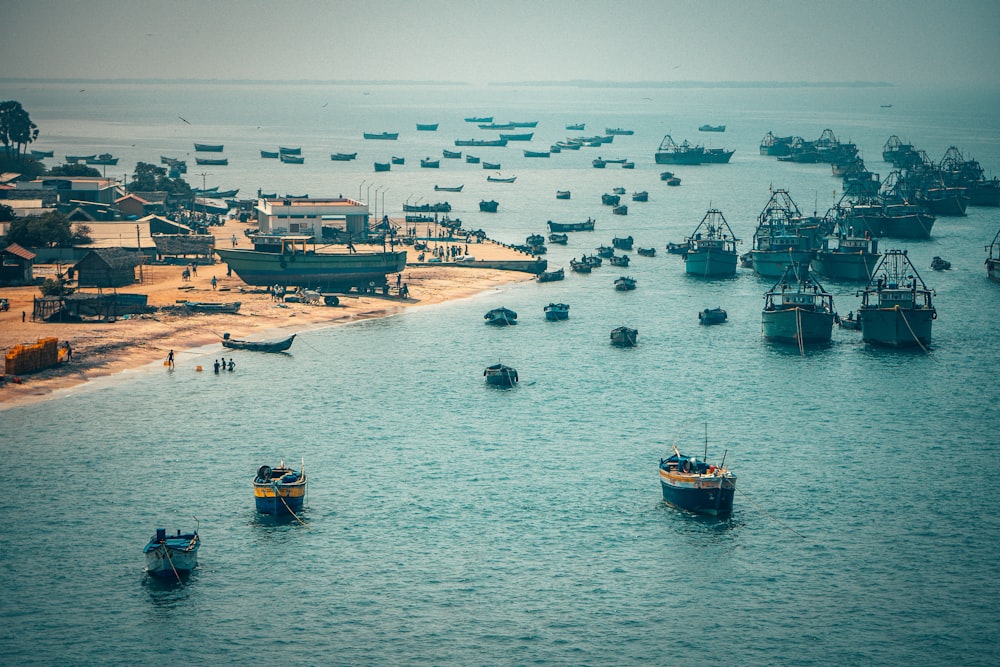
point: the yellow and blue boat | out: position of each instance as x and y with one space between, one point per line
696 486
279 490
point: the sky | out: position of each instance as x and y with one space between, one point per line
495 41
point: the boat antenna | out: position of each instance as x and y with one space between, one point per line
197 525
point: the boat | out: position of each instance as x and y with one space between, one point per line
618 260
646 252
291 159
104 158
279 490
471 159
452 155
499 375
712 316
628 165
624 337
438 207
605 251
711 128
208 148
696 486
550 276
625 284
40 155
783 236
621 209
847 256
993 259
587 226
896 305
563 194
556 311
479 119
172 555
670 152
427 127
443 188
480 142
343 157
617 131
576 127
501 179
277 345
640 196
213 307
797 309
710 251
850 322
395 159
618 191
497 126
561 239
537 153
80 158
678 248
215 162
622 243
580 267
501 317
610 200
270 155
287 150
599 163
387 136
525 136
488 206
382 166
491 165
524 123
294 261
428 163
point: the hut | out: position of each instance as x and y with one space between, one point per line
106 267
16 265
175 248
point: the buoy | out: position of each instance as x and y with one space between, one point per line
197 369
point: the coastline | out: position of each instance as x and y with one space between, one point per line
107 348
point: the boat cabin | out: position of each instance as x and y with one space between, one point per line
285 244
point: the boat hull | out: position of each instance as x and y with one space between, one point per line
850 266
896 327
329 271
993 269
279 499
914 226
772 263
710 262
172 555
702 494
794 324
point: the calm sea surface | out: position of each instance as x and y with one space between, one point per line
449 523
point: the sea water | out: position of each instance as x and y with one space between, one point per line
449 522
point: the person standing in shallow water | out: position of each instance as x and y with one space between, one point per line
216 366
170 358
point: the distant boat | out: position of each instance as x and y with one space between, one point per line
622 243
80 158
104 158
624 337
208 148
625 284
696 486
230 307
628 165
279 490
712 316
550 276
501 317
291 159
397 160
442 188
495 166
563 194
599 163
471 159
488 206
427 127
217 162
640 196
526 136
556 311
537 153
671 152
646 252
481 142
497 126
278 345
577 127
580 267
524 123
172 556
797 309
269 155
453 155
501 179
678 248
886 106
618 260
437 207
621 209
428 163
561 239
285 150
343 157
499 375
617 131
479 119
711 248
896 305
38 155
382 166
587 226
389 136
711 128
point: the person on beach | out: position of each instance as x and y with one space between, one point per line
170 358
234 240
214 282
23 315
232 365
216 366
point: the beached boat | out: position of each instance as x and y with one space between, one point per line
480 142
697 486
501 317
624 283
213 307
624 337
213 162
343 157
670 152
550 276
501 179
993 259
293 260
556 311
448 188
711 128
711 249
279 490
563 194
587 226
896 305
489 206
277 345
428 163
712 316
386 136
269 155
499 375
427 127
561 239
172 555
382 166
208 148
797 309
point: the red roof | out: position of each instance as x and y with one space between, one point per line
17 250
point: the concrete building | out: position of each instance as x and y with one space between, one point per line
303 215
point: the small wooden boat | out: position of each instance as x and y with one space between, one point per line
343 157
580 267
104 158
599 163
640 196
480 142
561 239
489 206
551 276
696 486
397 160
563 194
215 162
279 490
80 158
712 316
269 155
387 136
618 191
617 131
673 182
610 200
587 226
850 322
938 264
501 179
479 119
287 150
382 166
556 311
428 163
471 159
576 127
40 155
624 337
525 136
537 153
605 251
666 175
427 127
499 375
622 243
678 248
455 188
173 555
279 345
501 317
495 166
621 209
211 307
208 148
646 252
291 159
618 260
452 155
711 128
625 284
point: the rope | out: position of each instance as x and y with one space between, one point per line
771 516
912 333
166 552
798 331
279 497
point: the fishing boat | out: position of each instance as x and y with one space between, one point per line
537 153
427 127
428 163
621 209
501 317
624 337
646 252
382 166
550 276
711 128
712 316
172 555
993 259
617 131
104 158
673 181
291 159
73 159
599 163
848 257
850 322
214 162
678 248
624 284
501 179
279 490
451 155
269 155
670 152
343 157
618 260
524 136
289 150
556 311
605 251
797 309
494 166
640 196
587 226
480 142
386 136
471 159
395 159
576 127
40 155
294 260
580 266
443 188
783 236
230 307
563 194
622 243
277 345
497 126
208 148
560 239
489 206
479 119
610 200
896 305
438 207
711 248
499 375
694 485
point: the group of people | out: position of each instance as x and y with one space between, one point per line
225 366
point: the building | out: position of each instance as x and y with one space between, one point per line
16 265
81 188
106 267
302 215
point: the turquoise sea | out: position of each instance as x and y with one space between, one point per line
450 523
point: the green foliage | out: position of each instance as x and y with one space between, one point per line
73 170
6 213
42 231
16 130
27 166
55 287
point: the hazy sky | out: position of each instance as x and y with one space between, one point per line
482 41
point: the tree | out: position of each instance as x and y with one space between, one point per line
6 213
49 230
73 170
16 130
151 178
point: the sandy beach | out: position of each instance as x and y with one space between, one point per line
105 348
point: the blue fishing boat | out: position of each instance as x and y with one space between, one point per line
712 316
797 309
556 311
896 305
499 375
172 555
279 490
711 248
783 236
624 337
501 317
694 485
